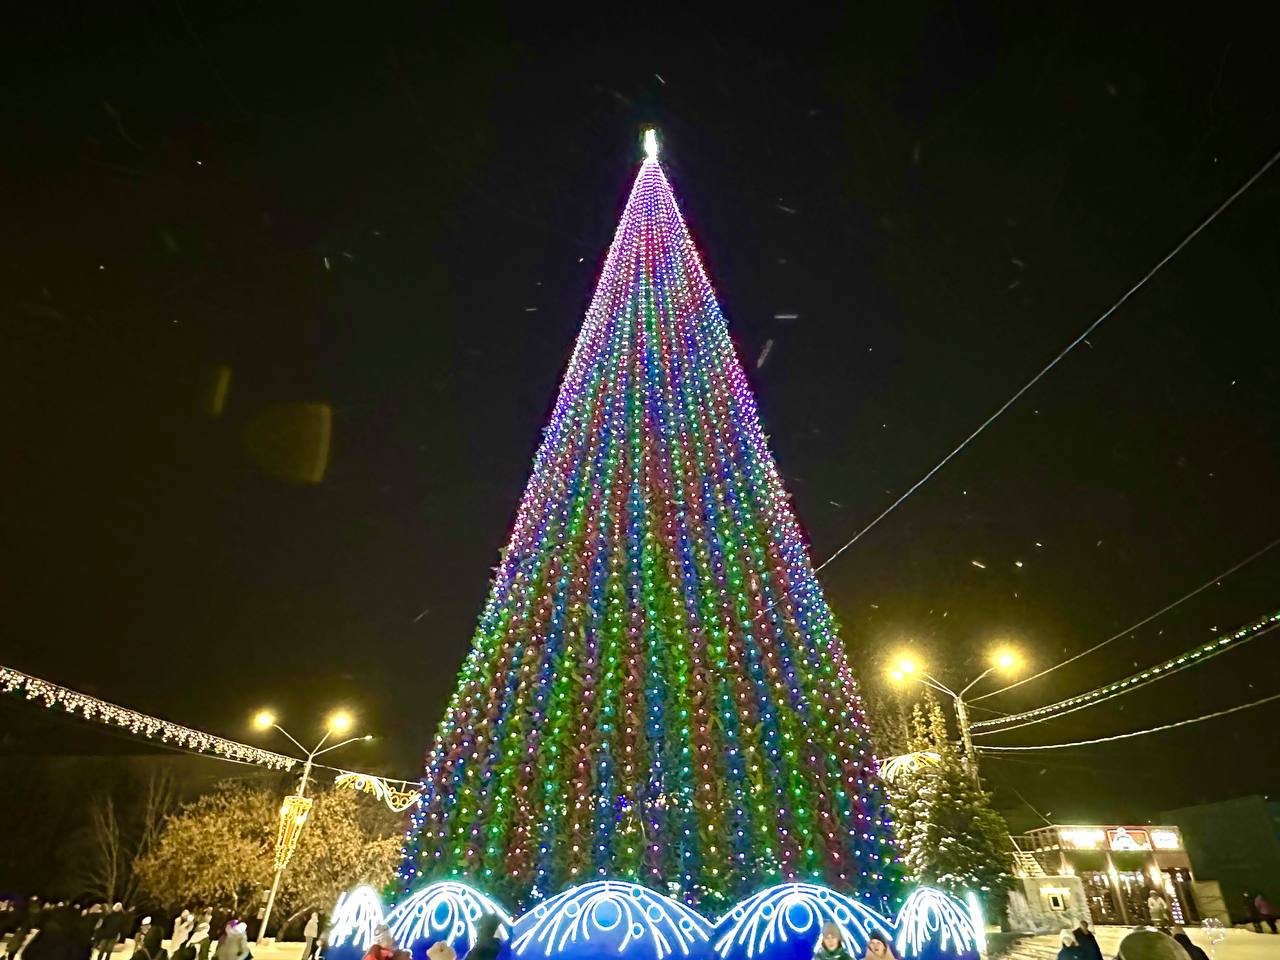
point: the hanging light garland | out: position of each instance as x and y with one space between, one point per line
52 696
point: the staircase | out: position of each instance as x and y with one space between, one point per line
1025 864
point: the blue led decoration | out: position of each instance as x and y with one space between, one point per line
352 923
610 917
446 911
785 922
933 924
620 919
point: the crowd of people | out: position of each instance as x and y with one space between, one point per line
36 930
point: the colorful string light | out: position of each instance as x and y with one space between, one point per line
656 691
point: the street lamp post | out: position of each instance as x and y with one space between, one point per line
339 723
908 669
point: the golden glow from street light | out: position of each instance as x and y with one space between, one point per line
902 669
264 719
340 721
1006 659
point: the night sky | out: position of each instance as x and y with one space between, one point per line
400 214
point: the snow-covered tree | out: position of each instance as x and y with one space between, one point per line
951 837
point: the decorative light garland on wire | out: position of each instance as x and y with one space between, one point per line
984 748
894 767
91 708
1173 665
397 800
1141 623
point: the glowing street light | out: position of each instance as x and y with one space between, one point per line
1005 659
340 721
293 813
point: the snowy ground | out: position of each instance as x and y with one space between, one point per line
1240 944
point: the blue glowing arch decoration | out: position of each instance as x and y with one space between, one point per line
932 924
785 922
446 911
610 917
352 924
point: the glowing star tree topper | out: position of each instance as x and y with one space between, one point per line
656 691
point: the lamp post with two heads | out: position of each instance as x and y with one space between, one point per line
297 806
907 670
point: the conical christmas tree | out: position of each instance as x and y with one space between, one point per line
656 691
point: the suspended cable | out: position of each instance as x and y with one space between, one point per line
1141 623
1183 661
1136 733
1054 362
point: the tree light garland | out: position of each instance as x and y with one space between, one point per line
656 690
91 708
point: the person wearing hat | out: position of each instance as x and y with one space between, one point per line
831 944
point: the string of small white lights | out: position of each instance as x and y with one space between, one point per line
398 795
91 708
1057 359
984 748
1184 661
1141 623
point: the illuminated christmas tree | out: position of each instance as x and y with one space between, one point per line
656 691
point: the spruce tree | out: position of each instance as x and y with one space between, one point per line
950 835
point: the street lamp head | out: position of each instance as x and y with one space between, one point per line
340 721
1006 659
264 719
907 666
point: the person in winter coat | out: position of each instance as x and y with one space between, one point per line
383 946
57 939
1088 942
1194 952
311 936
234 942
1069 948
151 945
486 946
1266 912
182 928
830 944
110 930
1158 909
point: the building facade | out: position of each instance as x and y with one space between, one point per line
1119 866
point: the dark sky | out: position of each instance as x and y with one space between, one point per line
400 214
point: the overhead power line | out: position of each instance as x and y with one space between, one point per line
984 748
1184 661
1239 191
1141 623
